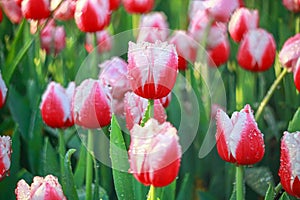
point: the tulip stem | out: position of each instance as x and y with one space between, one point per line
89 166
135 24
62 152
239 182
152 194
151 108
269 94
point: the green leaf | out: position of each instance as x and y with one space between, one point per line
233 194
270 195
102 193
284 196
80 168
258 179
186 183
68 179
122 180
294 124
49 156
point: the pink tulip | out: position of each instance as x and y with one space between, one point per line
47 188
65 11
153 26
154 153
56 106
257 51
91 105
92 15
138 6
221 10
5 156
219 55
136 106
297 74
292 5
238 139
290 52
114 4
36 9
12 10
152 68
3 91
104 41
186 48
289 163
53 38
241 22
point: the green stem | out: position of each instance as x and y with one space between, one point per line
297 30
278 188
135 24
152 194
151 108
239 182
62 151
269 94
89 167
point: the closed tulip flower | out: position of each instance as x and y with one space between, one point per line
154 153
221 10
290 52
5 156
138 6
3 91
289 163
219 54
47 188
114 4
36 9
12 10
56 106
152 68
241 22
297 75
65 11
92 15
91 105
257 51
292 5
238 138
136 106
186 48
104 41
153 26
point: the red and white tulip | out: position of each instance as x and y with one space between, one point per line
290 52
219 54
104 41
297 75
36 9
12 10
65 11
138 6
221 10
292 5
5 156
114 4
3 91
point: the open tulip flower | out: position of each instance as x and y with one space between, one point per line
152 68
289 163
5 155
238 138
290 52
36 9
3 91
47 188
154 153
138 6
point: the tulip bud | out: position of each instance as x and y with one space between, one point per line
152 68
257 51
241 22
135 108
154 153
138 6
65 11
56 107
297 75
219 55
5 156
92 15
47 188
238 139
91 105
114 4
3 91
153 26
104 41
290 52
292 5
186 48
36 9
289 163
12 10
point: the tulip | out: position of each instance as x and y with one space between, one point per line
257 51
3 91
154 153
36 9
238 138
91 105
56 106
289 163
290 52
12 10
114 4
241 22
297 75
92 15
165 101
5 156
53 38
65 11
186 48
292 5
152 68
135 108
138 6
47 188
219 54
103 39
153 26
221 10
